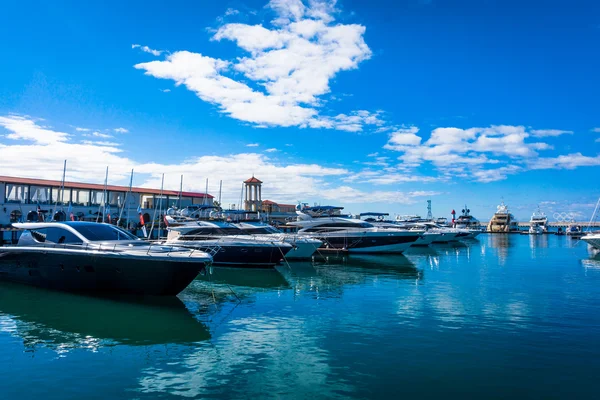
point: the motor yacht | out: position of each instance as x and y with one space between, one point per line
303 247
435 233
97 257
502 221
468 222
236 248
538 224
379 220
351 234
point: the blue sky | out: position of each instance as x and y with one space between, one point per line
376 106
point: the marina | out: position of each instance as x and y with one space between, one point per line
502 316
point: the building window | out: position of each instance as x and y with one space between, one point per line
116 198
80 197
61 196
40 194
97 198
16 193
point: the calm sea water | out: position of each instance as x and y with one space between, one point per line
507 315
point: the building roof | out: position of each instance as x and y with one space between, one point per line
253 180
95 186
277 204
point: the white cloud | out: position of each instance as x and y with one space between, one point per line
252 145
402 138
289 66
121 130
98 135
471 153
147 49
569 161
78 129
22 128
86 161
549 132
100 143
597 130
165 90
231 11
271 150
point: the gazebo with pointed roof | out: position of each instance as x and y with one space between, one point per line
253 201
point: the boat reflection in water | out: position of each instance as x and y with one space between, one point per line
328 279
256 278
63 321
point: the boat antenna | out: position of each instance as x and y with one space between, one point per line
125 200
103 198
159 202
180 192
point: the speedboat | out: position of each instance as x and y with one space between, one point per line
235 247
503 221
351 234
97 257
303 246
538 223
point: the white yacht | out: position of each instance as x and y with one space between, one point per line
353 235
538 224
467 222
303 247
235 247
502 221
427 238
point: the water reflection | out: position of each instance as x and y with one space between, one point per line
328 279
501 243
64 321
247 277
258 355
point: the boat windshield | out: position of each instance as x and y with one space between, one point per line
103 232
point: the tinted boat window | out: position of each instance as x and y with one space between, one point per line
101 232
215 231
55 235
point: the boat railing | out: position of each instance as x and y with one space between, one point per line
113 248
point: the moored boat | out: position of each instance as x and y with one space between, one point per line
350 234
538 224
95 257
502 221
234 246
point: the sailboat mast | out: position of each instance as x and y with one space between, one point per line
180 192
125 204
103 198
220 188
162 184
